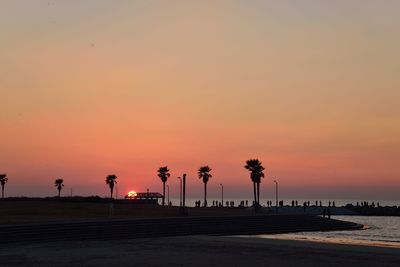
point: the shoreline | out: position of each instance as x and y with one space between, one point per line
193 250
330 240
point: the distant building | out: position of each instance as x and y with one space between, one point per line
144 198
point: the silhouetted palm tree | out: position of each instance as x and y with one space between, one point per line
59 183
204 173
256 173
163 173
111 180
3 181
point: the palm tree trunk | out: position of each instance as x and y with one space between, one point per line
205 194
111 191
258 193
163 196
255 193
59 193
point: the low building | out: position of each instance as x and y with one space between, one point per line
144 198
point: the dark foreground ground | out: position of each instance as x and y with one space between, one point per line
196 251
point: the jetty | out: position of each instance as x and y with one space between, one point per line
115 229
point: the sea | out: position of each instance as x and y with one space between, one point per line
378 231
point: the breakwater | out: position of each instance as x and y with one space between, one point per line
176 226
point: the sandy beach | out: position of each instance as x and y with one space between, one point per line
197 251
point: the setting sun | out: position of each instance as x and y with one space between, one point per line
132 194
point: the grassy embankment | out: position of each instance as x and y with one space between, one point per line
42 210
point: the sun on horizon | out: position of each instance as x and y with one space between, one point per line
132 193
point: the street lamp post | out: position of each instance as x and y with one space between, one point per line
168 194
276 195
184 190
180 191
222 194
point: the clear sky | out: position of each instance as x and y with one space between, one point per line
311 88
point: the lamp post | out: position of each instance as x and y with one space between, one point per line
184 190
180 191
276 195
222 194
168 194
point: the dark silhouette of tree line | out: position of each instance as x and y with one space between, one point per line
204 172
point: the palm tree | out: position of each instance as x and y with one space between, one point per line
59 183
3 181
204 173
256 173
111 181
163 173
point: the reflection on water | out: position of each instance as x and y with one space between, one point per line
379 231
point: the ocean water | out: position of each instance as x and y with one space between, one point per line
378 231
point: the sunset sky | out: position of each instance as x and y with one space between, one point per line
91 88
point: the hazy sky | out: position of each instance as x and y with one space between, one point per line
311 88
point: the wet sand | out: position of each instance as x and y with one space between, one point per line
197 251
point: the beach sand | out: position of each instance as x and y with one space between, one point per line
197 251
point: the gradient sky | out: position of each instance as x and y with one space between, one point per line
311 88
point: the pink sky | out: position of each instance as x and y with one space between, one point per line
95 87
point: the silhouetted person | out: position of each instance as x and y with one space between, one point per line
247 203
320 203
329 213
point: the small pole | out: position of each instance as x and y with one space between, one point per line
222 194
71 191
276 195
184 189
168 194
180 191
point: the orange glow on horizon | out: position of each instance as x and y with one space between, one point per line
126 88
132 194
